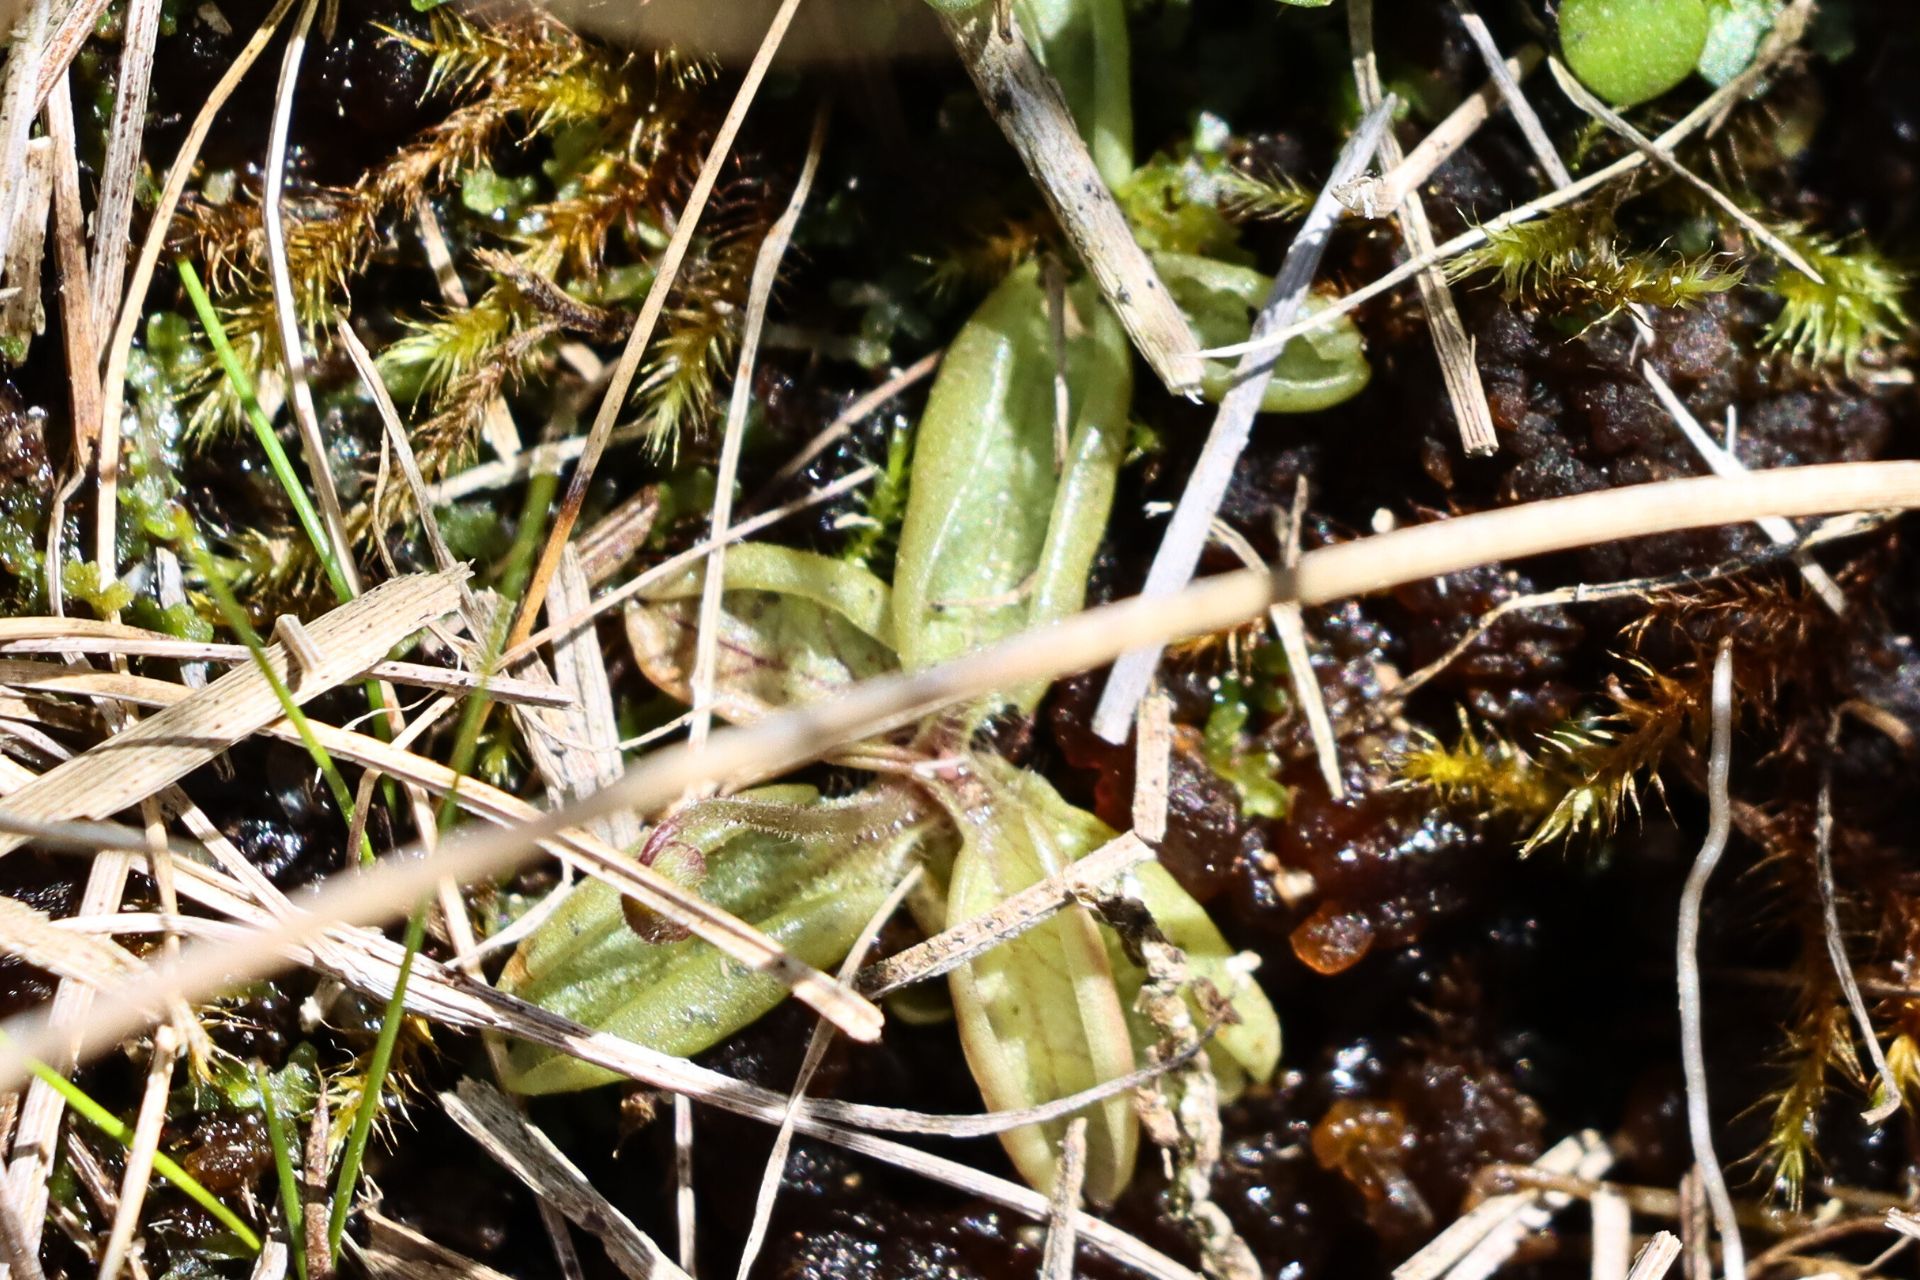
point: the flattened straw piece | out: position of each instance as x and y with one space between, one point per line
65 42
14 1249
1889 1088
286 304
665 272
113 206
1458 369
1656 1257
1056 1261
1693 1055
1722 463
1186 536
1535 1213
395 1251
766 270
1660 155
1033 905
139 761
1024 100
784 741
80 336
486 1116
26 242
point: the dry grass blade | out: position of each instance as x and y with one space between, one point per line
666 270
1517 104
490 1120
1458 369
26 48
395 1251
1722 463
1440 1255
113 206
782 742
766 269
139 1162
1884 1081
1381 197
1534 1213
1187 532
1152 766
27 934
21 319
15 1252
1056 1261
1693 1058
817 1043
1612 1219
847 419
160 218
139 761
1662 156
1022 96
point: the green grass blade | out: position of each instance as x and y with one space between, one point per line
290 1203
111 1125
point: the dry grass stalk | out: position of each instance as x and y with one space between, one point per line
27 934
142 759
1534 1214
1381 197
120 345
1656 1257
79 334
766 270
1024 100
1662 156
1440 1255
817 1043
1152 766
948 950
1612 1219
26 48
666 271
490 1120
1458 369
848 418
1517 104
1888 1087
1056 1261
1722 463
113 205
20 314
782 742
22 1259
1710 114
1187 532
1693 1059
286 304
138 1171
63 44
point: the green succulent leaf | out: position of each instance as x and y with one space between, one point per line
1040 1016
995 539
1315 371
807 872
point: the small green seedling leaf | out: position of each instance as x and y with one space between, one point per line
807 872
1315 371
1629 51
1084 44
995 538
1040 1017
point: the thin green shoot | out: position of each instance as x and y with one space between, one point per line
277 458
290 1203
111 1125
377 1066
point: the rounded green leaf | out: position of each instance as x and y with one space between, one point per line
1628 51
